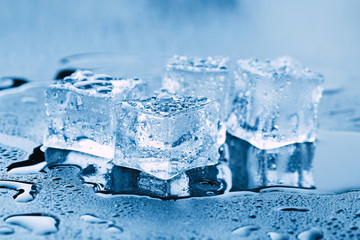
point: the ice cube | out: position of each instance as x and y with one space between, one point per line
167 134
80 112
254 168
277 105
207 77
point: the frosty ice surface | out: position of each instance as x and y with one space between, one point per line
199 77
80 112
277 104
167 134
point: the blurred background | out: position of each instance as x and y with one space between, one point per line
324 35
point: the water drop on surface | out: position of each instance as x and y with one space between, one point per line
277 236
311 234
37 223
93 219
5 230
245 231
114 229
294 209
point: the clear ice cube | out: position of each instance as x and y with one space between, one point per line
195 76
167 134
80 112
277 103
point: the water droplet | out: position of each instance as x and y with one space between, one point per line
114 229
37 223
294 209
311 234
5 230
277 236
93 219
245 231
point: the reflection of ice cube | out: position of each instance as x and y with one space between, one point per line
202 181
253 168
94 169
277 104
199 77
196 182
80 112
167 134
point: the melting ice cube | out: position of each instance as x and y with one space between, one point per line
207 77
167 134
277 104
80 111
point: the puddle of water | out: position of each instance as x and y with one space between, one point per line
33 165
39 224
26 190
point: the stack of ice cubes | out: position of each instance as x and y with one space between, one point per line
159 139
163 144
276 103
81 112
207 77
